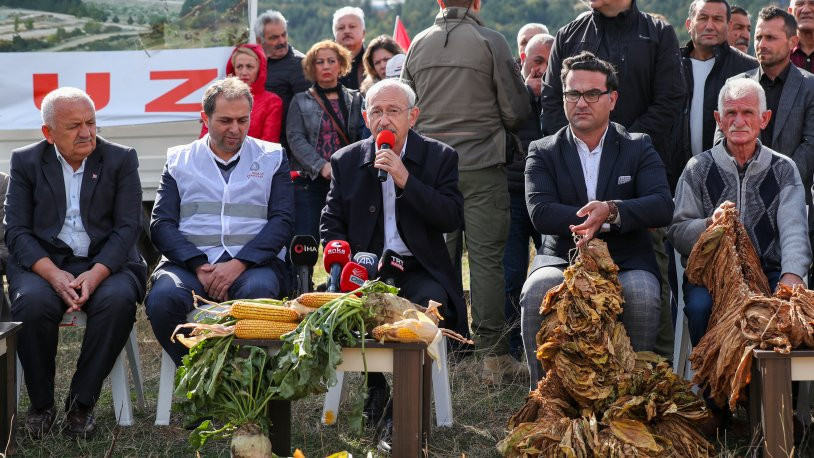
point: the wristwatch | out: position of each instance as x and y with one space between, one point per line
613 212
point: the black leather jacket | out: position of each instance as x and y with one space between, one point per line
644 51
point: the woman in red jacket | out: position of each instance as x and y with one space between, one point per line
248 62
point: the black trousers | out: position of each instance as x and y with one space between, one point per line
111 312
419 287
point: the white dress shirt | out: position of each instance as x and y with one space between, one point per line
392 238
73 231
590 169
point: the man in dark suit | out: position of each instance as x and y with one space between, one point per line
596 169
73 212
408 213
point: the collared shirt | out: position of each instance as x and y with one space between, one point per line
773 89
392 238
802 60
590 169
700 71
225 167
73 231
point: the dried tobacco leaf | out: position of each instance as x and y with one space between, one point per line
599 398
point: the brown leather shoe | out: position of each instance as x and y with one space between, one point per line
79 423
38 422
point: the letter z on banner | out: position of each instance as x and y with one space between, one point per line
127 87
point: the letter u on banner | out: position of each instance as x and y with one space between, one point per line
97 85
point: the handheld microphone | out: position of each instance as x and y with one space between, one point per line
384 140
353 277
369 261
391 267
336 255
304 252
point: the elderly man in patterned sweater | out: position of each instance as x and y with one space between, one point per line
762 184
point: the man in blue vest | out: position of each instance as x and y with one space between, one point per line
223 215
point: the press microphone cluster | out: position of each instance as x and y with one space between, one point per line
384 140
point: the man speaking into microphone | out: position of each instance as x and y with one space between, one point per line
407 213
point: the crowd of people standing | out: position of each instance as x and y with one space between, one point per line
607 129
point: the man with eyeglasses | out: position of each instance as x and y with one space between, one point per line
594 179
408 213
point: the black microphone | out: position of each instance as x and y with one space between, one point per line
384 140
304 252
391 267
369 261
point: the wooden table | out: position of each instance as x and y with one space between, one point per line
8 378
770 401
412 382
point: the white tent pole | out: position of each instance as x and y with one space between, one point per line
252 19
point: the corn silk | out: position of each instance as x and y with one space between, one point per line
599 398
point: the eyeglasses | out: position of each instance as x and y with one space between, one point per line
591 96
377 113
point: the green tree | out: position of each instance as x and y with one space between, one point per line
115 19
29 24
130 20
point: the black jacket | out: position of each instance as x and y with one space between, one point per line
109 202
528 131
285 78
728 63
630 173
644 51
429 206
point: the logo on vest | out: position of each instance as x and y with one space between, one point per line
255 171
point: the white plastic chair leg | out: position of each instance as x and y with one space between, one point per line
165 384
134 361
122 406
335 396
804 402
440 388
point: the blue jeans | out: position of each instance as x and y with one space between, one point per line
698 306
516 264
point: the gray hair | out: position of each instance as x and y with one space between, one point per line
348 11
540 38
48 105
391 83
230 88
540 28
269 17
737 88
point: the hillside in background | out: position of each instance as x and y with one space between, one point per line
28 25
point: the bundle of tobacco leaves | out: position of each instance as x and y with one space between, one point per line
599 398
744 316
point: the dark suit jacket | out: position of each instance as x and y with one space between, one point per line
429 206
793 133
630 173
109 203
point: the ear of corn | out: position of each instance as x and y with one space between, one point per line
262 329
317 299
248 310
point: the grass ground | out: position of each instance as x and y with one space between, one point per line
480 415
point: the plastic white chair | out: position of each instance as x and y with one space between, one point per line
440 389
166 384
681 342
122 406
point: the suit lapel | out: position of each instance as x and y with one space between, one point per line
372 191
787 101
610 152
574 166
93 170
52 169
